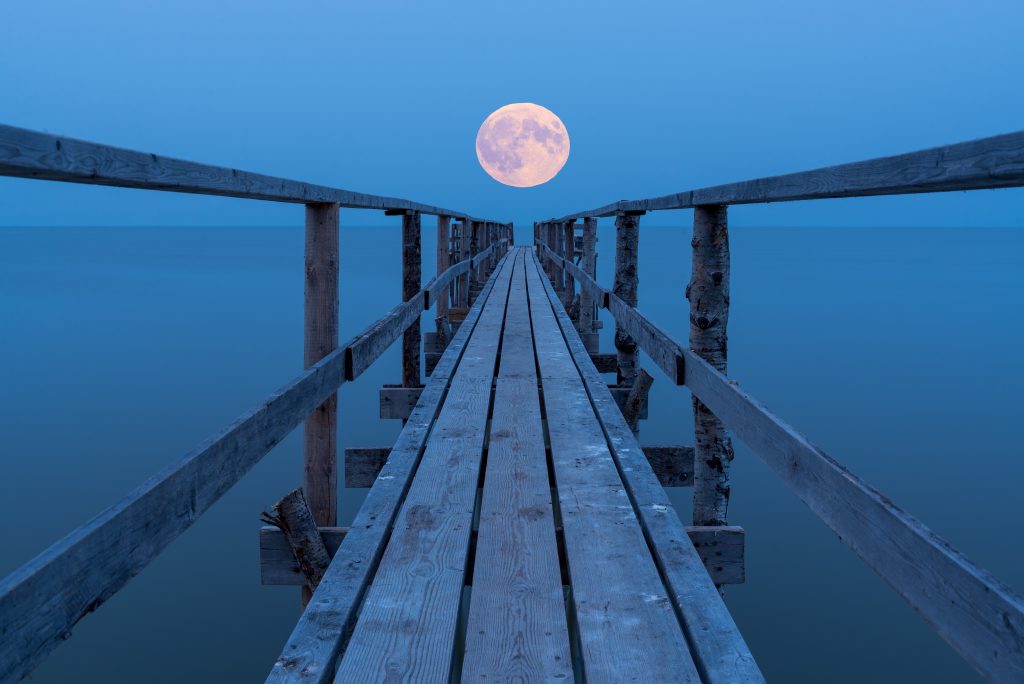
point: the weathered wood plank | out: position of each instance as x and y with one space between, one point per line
293 517
318 637
412 279
407 622
721 548
278 565
717 646
987 163
628 628
663 350
30 154
397 403
320 338
605 363
363 464
442 262
588 301
374 341
517 629
974 612
42 601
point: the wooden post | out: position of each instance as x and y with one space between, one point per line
412 284
627 232
708 293
319 439
443 262
464 254
588 307
569 252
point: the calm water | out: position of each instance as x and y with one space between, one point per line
896 350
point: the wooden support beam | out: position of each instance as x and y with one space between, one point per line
721 549
464 253
320 436
363 465
588 305
708 293
412 280
568 249
605 363
627 233
443 262
636 398
397 402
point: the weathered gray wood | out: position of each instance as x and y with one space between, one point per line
636 398
30 154
443 261
605 363
293 517
662 349
517 629
320 434
278 565
437 289
588 302
318 637
372 342
708 293
627 234
37 609
719 650
627 623
412 279
673 465
464 253
397 403
407 621
568 256
363 464
621 396
987 163
973 611
722 550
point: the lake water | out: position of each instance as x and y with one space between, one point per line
896 350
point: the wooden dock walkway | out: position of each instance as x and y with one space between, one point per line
516 531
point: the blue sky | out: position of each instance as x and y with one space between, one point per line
386 97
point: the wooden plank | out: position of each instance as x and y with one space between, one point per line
374 341
318 637
407 622
605 363
439 285
721 548
974 612
320 338
517 628
987 163
627 624
717 645
363 464
588 300
412 279
624 287
42 601
443 261
663 350
277 561
30 154
398 402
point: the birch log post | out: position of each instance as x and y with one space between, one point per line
319 439
588 307
708 294
443 262
636 399
411 287
569 252
292 516
627 233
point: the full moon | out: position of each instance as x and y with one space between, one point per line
522 145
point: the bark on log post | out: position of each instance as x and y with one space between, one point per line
474 249
292 516
443 262
588 307
636 399
412 284
569 249
320 435
464 254
627 232
708 293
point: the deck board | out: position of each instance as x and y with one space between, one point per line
406 628
517 629
627 624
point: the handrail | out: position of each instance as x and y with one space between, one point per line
984 164
979 616
30 154
99 557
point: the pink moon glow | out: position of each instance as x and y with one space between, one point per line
522 145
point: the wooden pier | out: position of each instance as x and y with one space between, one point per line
517 530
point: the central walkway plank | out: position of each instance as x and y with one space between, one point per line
517 625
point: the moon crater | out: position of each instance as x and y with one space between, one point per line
522 145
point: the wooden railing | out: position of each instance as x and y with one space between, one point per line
42 601
979 616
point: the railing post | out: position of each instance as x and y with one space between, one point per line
474 249
627 233
464 254
708 293
443 262
588 308
412 284
569 252
320 435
